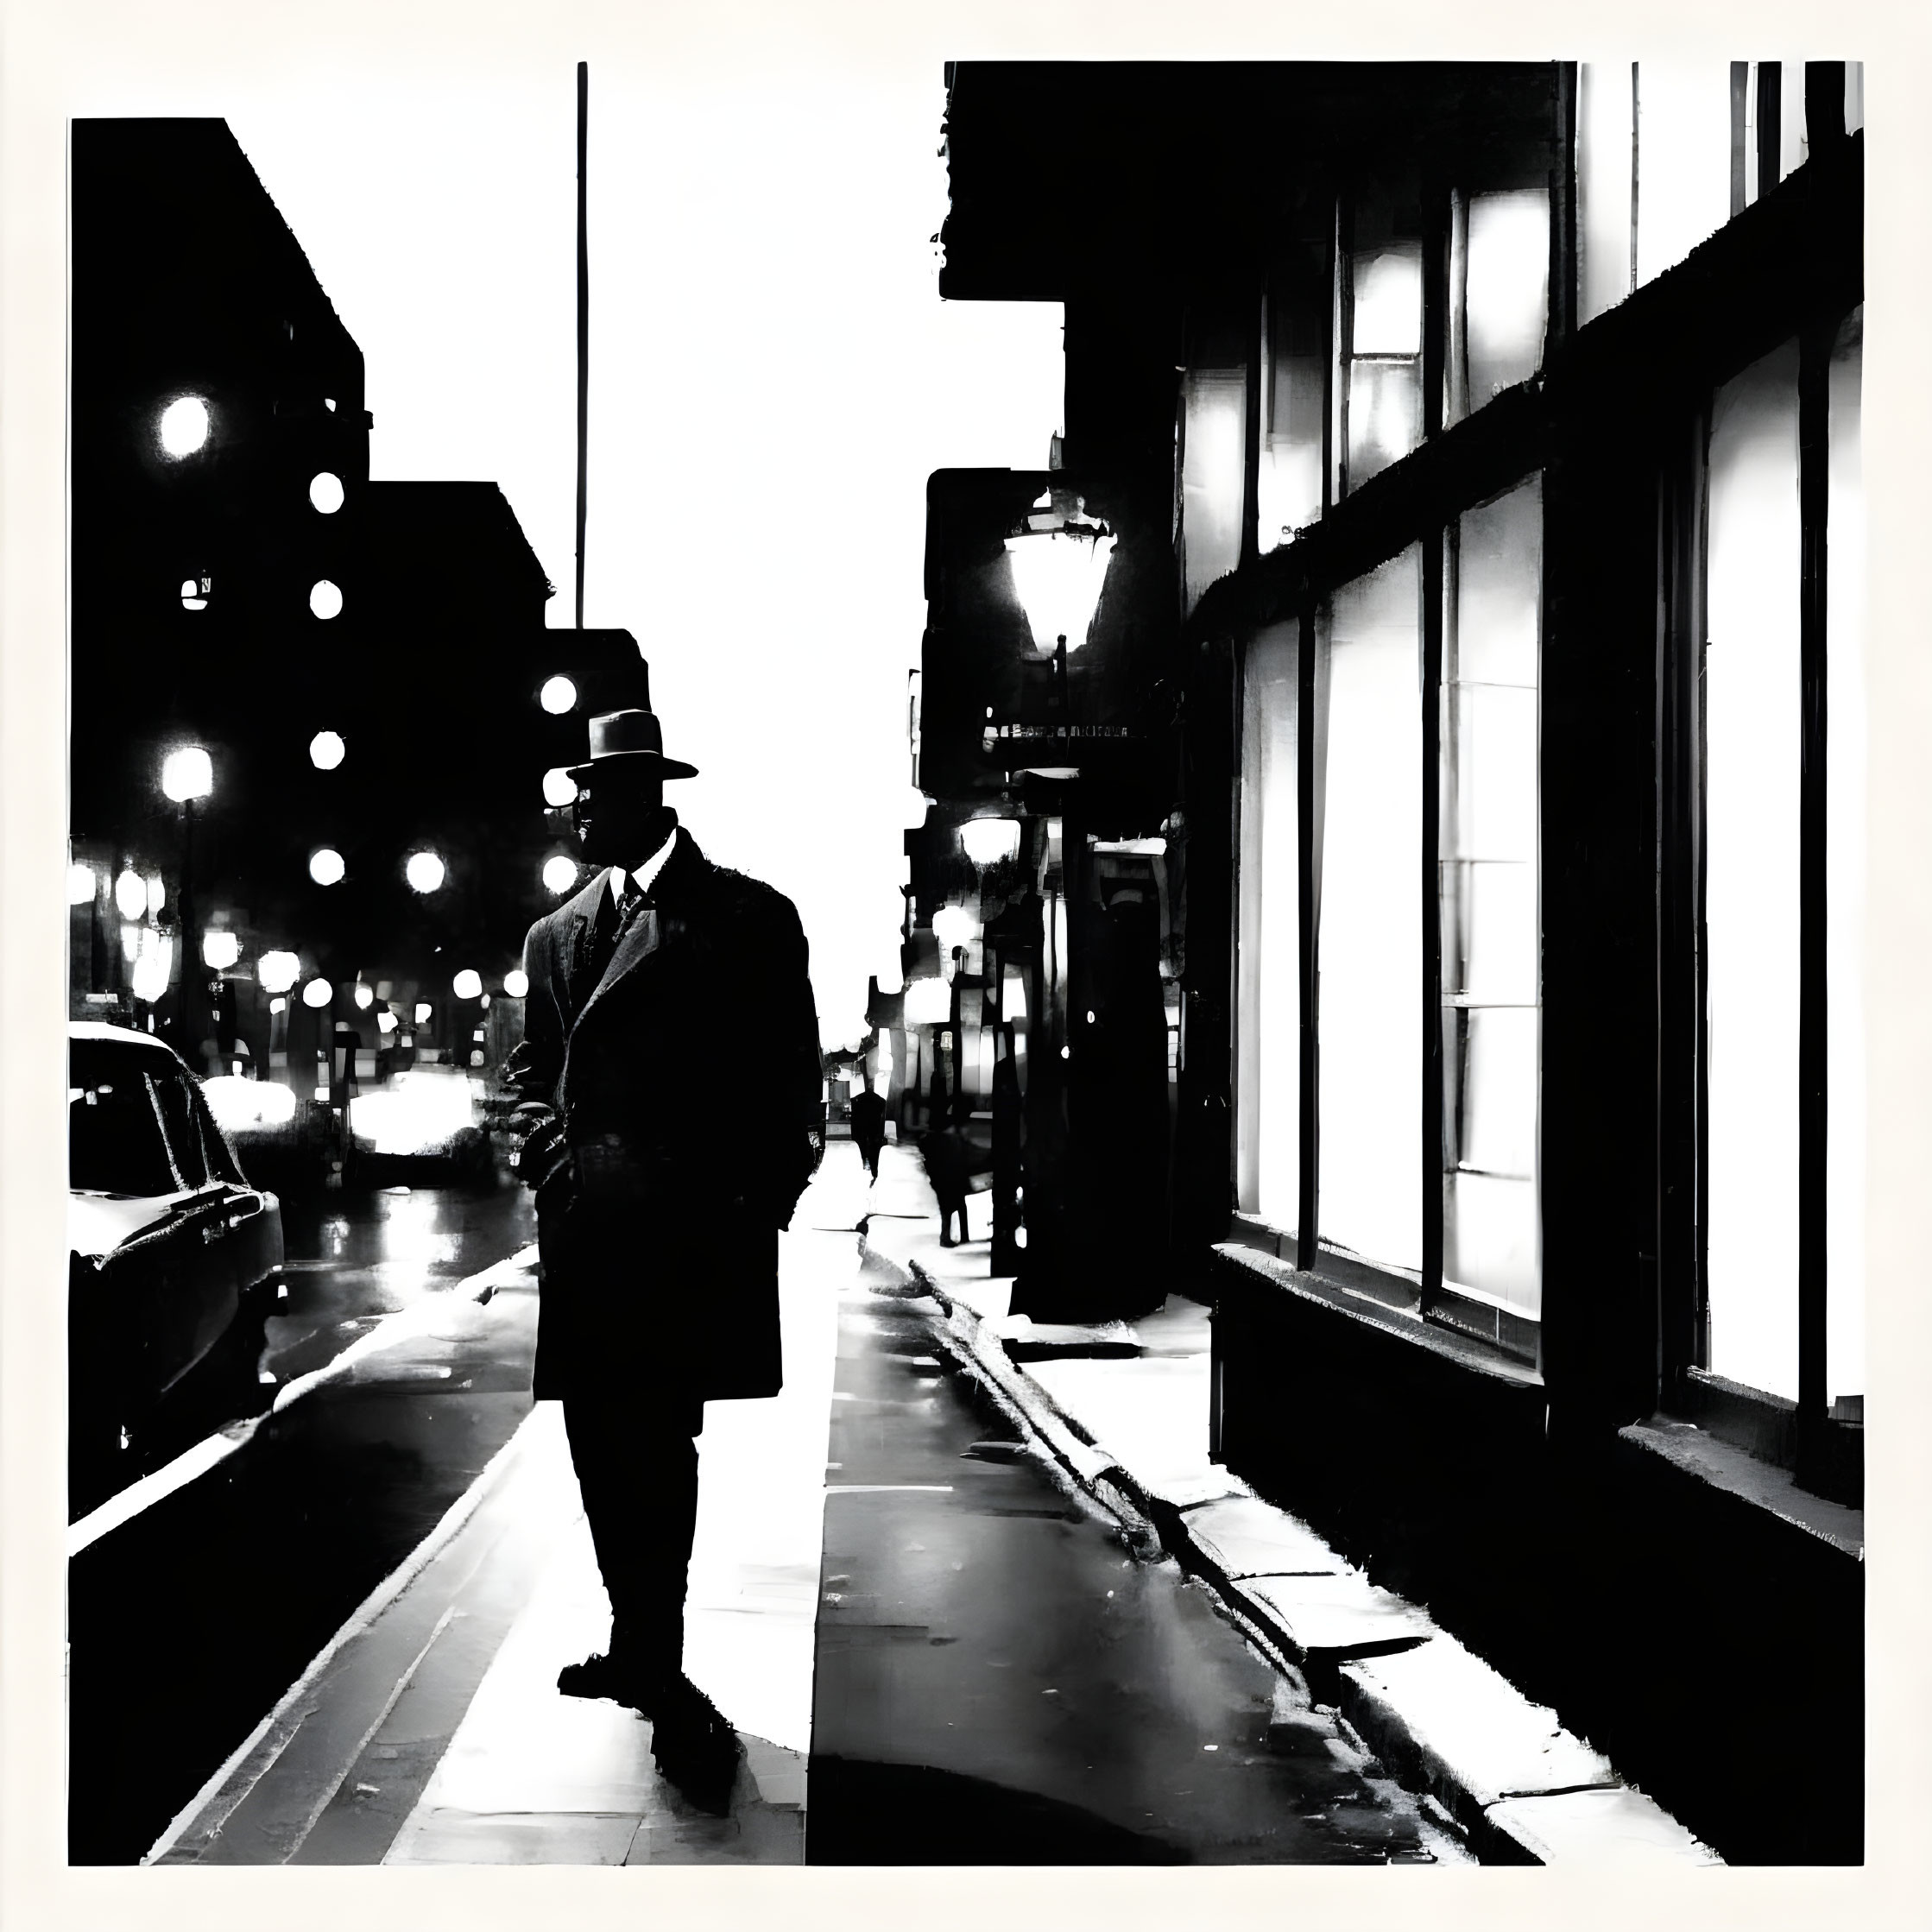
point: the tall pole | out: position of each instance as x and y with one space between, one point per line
582 315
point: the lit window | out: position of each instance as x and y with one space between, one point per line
1213 445
194 593
1383 391
1487 884
1370 946
1268 1017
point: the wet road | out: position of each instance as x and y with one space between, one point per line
998 1681
186 1623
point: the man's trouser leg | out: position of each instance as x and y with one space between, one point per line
636 1459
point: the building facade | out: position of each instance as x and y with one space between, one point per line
1512 467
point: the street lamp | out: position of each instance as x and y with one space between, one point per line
1058 572
559 874
558 696
989 842
424 871
325 866
276 970
188 774
183 426
467 984
326 750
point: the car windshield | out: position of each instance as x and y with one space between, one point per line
115 1140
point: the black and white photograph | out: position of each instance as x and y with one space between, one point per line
986 956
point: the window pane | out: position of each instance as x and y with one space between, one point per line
1845 875
1751 892
1387 294
1370 938
1508 297
1684 159
1268 1126
1488 879
1216 400
1603 125
1385 415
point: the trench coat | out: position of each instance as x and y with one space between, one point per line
688 1078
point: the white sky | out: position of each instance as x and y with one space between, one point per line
773 377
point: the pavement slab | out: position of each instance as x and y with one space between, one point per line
1326 1618
1243 1536
1603 1828
1473 1736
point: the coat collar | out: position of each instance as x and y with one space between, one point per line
674 881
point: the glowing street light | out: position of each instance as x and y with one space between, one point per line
152 966
324 599
928 1002
559 874
220 948
953 925
276 971
325 866
424 871
324 491
317 994
130 896
183 426
467 984
558 696
516 983
988 841
1059 574
365 996
326 750
187 773
558 787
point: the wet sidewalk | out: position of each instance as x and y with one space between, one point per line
429 1731
1123 1410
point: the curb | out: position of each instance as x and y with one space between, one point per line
1516 1786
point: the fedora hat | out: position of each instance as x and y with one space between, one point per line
621 738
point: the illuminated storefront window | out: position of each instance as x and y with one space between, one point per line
1488 724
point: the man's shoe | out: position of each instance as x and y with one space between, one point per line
695 1746
602 1676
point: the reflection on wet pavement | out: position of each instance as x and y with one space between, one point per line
1000 1680
243 1574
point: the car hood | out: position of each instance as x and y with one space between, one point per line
99 1224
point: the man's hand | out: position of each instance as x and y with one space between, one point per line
541 1150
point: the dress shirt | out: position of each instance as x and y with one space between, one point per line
646 874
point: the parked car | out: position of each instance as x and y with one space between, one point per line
172 1249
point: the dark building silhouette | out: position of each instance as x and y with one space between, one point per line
1481 447
364 663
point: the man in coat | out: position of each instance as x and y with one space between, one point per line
673 1113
